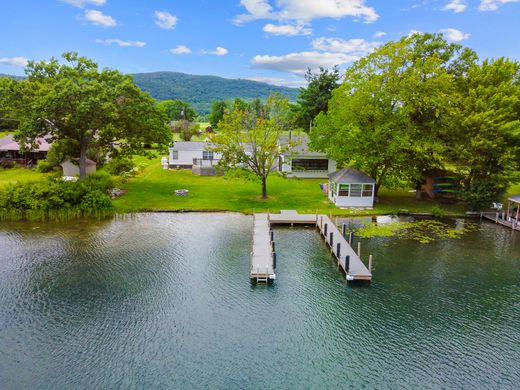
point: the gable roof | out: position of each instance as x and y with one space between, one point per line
299 145
190 145
8 143
351 175
515 198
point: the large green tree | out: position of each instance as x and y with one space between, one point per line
251 140
177 110
218 109
388 115
484 145
89 108
314 98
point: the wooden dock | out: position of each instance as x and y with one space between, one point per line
499 218
263 256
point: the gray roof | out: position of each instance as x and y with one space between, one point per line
515 198
8 143
300 145
190 145
351 175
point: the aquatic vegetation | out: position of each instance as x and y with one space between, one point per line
423 231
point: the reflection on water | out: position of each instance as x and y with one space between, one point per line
164 301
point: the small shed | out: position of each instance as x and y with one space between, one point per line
349 187
71 168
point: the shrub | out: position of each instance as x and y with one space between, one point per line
437 212
239 173
56 199
43 166
119 165
7 164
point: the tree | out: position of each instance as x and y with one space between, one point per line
186 129
485 143
218 108
315 97
92 109
248 140
389 115
177 110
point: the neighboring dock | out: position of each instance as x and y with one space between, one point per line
501 219
263 256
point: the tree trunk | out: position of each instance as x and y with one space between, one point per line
264 187
376 189
83 162
418 191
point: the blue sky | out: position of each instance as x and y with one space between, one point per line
267 40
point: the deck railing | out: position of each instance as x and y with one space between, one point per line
205 163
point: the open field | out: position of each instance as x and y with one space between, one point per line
153 189
21 175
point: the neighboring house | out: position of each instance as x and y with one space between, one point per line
351 188
71 168
303 162
183 154
11 150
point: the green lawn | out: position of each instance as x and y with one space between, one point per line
4 133
153 189
21 175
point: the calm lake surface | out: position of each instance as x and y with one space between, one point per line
161 301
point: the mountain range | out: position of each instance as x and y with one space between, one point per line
201 91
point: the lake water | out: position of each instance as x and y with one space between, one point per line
161 301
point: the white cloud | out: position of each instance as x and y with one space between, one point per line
379 34
306 10
287 29
493 5
413 32
299 62
165 20
120 42
358 47
219 51
180 49
99 18
456 6
14 61
83 3
454 35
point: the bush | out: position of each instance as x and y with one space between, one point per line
56 199
7 164
437 212
239 173
119 165
43 166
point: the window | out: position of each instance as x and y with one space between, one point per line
175 154
332 187
367 189
308 164
207 155
344 190
356 190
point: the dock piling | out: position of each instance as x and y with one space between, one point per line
338 250
347 264
359 248
350 238
370 263
343 229
331 241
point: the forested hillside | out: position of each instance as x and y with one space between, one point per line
200 91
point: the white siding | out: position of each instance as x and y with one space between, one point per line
351 201
287 168
185 157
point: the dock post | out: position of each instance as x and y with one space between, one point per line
272 235
325 230
343 229
496 218
272 244
274 259
370 263
350 238
359 249
331 240
347 264
338 251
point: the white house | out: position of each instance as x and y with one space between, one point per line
303 162
183 154
71 168
351 188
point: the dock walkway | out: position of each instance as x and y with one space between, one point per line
263 257
499 218
263 262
